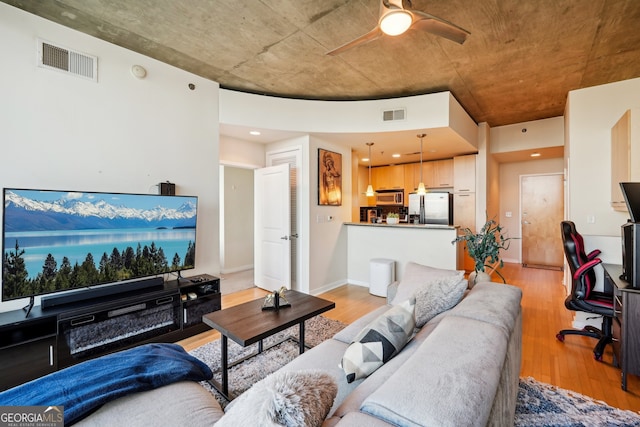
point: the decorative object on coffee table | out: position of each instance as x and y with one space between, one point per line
276 300
484 247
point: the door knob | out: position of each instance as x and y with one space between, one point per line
526 222
285 237
293 236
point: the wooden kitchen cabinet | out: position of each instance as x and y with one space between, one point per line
625 155
443 173
411 180
464 174
388 177
464 215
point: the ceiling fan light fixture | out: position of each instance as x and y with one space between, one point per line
395 22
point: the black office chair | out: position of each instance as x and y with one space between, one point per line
583 297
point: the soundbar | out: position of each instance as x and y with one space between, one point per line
103 291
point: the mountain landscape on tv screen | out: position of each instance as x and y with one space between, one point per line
25 214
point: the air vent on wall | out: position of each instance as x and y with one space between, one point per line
392 115
68 61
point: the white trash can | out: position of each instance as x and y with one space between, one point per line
382 273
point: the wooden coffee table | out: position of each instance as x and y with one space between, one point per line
247 324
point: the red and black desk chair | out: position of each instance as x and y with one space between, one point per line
582 296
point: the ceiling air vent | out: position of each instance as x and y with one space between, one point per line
68 61
393 115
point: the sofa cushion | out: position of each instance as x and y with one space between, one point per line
379 341
292 399
495 303
437 296
184 403
416 275
458 385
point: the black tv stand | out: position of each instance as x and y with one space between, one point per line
29 306
115 289
70 332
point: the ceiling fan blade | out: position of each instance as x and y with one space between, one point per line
438 26
366 38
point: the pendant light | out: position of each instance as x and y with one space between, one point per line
421 189
369 192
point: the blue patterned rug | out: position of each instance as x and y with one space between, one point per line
544 405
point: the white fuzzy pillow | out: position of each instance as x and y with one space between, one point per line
437 296
291 399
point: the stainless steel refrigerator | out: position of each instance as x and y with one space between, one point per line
438 207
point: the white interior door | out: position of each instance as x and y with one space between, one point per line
272 220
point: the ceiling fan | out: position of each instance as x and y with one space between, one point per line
396 17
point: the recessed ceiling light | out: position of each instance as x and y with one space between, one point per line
395 155
535 154
255 132
365 159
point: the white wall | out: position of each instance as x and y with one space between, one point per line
437 110
236 219
238 152
120 134
328 250
591 113
539 134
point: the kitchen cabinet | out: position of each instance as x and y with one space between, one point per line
411 180
437 173
464 215
443 173
464 174
625 155
388 177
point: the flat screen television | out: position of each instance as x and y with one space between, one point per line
631 193
55 241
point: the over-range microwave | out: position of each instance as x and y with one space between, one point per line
390 198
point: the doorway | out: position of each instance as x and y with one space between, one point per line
542 206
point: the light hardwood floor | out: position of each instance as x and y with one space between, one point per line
569 365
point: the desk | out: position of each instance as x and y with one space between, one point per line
626 323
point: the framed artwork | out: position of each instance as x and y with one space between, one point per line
329 178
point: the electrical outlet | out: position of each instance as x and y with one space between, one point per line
508 214
591 219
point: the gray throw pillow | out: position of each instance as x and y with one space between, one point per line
379 341
291 399
417 275
437 296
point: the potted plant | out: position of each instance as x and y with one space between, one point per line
484 247
393 218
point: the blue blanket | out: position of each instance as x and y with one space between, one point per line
85 387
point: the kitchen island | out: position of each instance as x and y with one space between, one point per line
427 244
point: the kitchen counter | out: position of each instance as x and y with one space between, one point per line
427 244
404 225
